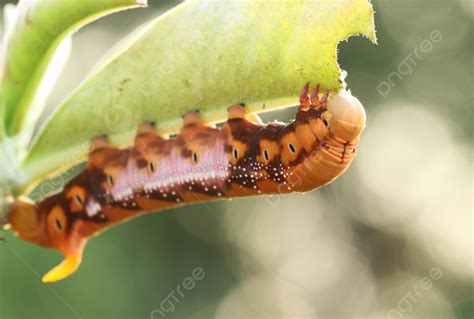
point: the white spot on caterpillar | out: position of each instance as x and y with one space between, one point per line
92 208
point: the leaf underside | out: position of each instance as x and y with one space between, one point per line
202 55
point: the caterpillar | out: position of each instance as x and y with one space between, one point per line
243 157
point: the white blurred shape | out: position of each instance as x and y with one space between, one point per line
404 295
397 152
418 181
264 297
334 276
275 228
304 243
468 6
446 225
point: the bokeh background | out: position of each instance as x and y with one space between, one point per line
392 238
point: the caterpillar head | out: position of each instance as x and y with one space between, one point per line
27 223
341 116
346 118
49 228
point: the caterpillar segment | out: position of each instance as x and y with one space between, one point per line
244 157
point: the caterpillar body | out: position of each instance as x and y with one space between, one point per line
243 157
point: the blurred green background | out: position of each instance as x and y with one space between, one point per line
392 238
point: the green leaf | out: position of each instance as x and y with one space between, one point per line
206 55
39 30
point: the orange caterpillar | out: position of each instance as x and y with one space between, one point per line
242 158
